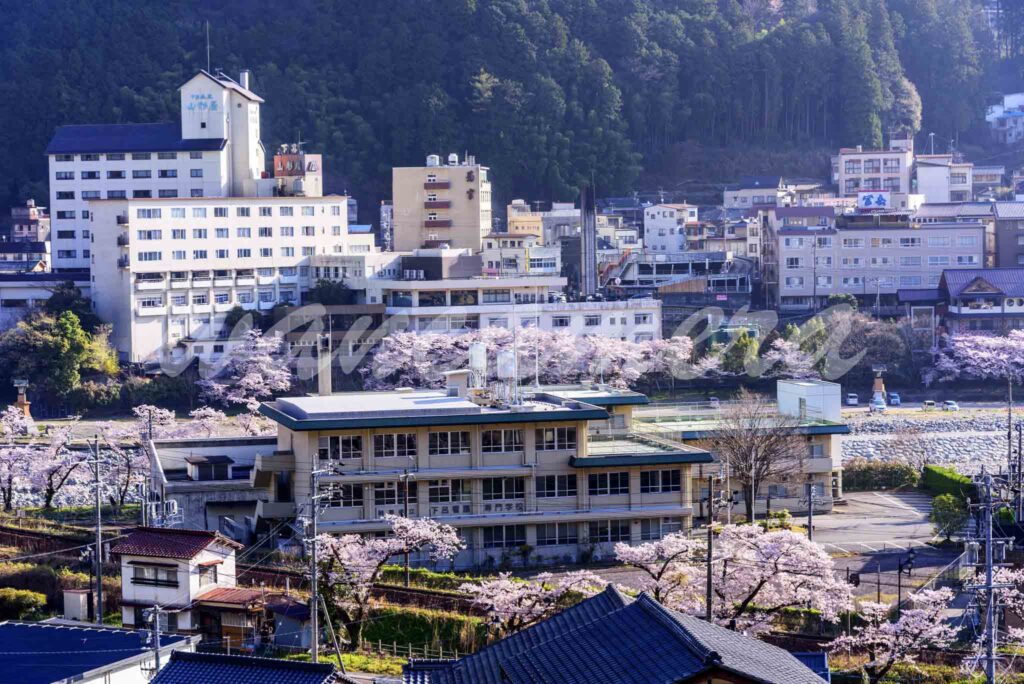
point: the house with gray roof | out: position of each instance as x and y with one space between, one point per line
611 638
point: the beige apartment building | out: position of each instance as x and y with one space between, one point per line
441 204
870 258
859 170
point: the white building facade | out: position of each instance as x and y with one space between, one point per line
665 227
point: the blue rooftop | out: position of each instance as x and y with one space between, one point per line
214 668
152 137
41 652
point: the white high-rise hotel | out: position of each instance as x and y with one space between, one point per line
181 222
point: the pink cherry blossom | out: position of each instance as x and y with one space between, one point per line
514 604
672 575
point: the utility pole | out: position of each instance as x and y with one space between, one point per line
314 570
810 511
99 530
154 615
1019 481
711 549
405 500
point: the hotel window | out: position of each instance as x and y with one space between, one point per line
607 484
552 439
149 234
824 243
149 256
67 253
504 488
90 175
910 281
115 175
288 251
400 444
504 536
64 157
244 253
340 447
308 251
393 493
142 173
910 261
851 281
178 255
499 441
287 231
967 241
266 211
660 481
266 252
65 214
448 443
287 211
608 531
65 175
244 297
910 242
195 155
591 321
853 243
221 298
309 231
337 495
142 194
167 173
641 319
243 232
167 155
891 184
942 260
265 231
195 173
221 233
220 212
308 211
550 486
242 211
179 300
151 302
178 234
65 235
552 534
497 296
199 233
891 165
199 254
198 212
178 212
967 260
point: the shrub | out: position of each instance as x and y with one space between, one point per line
38 578
425 579
18 604
424 627
949 514
941 480
862 475
90 396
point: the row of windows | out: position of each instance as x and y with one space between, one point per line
117 174
241 253
120 156
242 212
202 299
825 242
883 261
168 193
861 281
447 443
225 233
514 488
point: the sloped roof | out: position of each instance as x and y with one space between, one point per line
1009 210
953 209
1008 281
214 668
41 652
803 212
609 639
169 543
239 596
151 137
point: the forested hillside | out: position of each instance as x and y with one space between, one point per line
547 92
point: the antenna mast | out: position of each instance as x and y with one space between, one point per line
207 46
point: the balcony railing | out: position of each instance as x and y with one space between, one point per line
152 582
122 240
437 185
437 204
437 223
122 220
123 262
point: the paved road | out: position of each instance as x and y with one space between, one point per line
873 522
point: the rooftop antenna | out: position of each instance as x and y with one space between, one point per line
207 46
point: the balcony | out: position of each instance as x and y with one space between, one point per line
201 308
223 282
153 582
266 306
179 284
437 185
294 278
152 311
122 220
122 240
123 262
248 306
179 308
149 284
245 280
437 204
223 307
438 223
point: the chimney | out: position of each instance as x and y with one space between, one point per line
243 78
323 366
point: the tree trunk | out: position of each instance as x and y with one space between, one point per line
748 500
355 634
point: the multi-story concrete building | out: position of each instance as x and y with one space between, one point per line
165 272
507 472
441 204
511 254
213 150
1009 220
987 178
665 227
521 219
860 170
940 178
561 220
756 191
870 257
30 223
21 292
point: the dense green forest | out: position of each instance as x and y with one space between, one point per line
546 92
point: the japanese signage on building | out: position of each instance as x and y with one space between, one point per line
873 200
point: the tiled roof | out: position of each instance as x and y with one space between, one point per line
1009 210
213 668
41 653
169 543
1009 281
610 639
234 595
910 295
152 137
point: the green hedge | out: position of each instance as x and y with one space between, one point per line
18 604
425 627
426 579
941 480
862 475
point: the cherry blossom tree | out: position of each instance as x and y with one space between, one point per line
255 370
786 359
514 604
759 573
984 357
13 456
352 564
671 576
207 420
52 465
151 422
887 643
